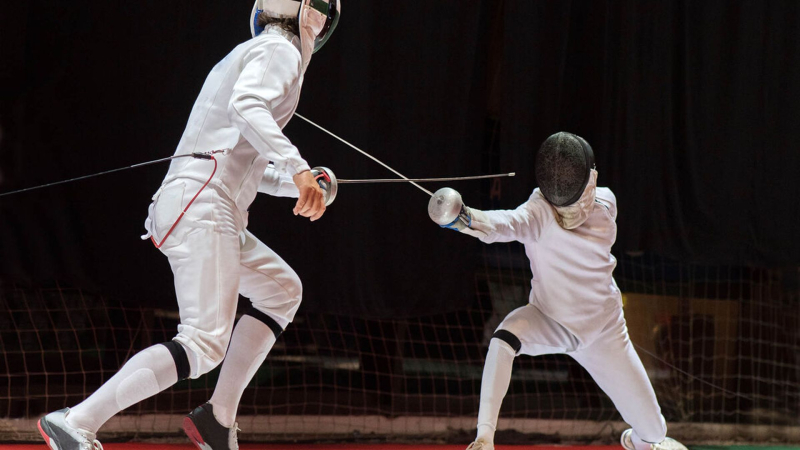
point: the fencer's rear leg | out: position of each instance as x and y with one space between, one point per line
615 366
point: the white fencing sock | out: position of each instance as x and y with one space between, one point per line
251 342
146 374
494 385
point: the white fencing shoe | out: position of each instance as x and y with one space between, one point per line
480 444
61 436
667 444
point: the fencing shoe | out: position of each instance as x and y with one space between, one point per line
667 444
59 435
480 444
206 433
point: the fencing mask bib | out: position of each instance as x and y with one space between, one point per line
563 168
316 19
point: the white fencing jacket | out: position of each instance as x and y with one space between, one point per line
245 102
572 269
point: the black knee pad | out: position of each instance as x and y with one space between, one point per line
181 359
509 338
266 320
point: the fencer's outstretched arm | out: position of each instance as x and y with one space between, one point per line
523 224
269 72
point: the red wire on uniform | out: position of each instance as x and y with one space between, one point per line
159 244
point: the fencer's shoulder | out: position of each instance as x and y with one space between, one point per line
274 45
537 197
605 196
604 193
538 204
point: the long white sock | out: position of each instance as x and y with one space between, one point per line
494 385
250 343
146 374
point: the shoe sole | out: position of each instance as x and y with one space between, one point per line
194 434
47 438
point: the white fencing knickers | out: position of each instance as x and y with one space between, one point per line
213 259
610 359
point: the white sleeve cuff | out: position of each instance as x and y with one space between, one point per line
480 227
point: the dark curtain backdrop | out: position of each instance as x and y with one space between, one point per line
690 106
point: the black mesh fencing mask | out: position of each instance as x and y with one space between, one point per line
563 168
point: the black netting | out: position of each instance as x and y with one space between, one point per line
720 344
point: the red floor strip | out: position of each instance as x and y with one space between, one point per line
320 447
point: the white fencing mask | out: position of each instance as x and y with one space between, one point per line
316 19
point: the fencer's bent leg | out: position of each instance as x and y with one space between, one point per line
205 263
614 365
525 330
275 290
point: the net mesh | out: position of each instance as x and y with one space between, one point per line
720 344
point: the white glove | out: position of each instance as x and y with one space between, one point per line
447 210
462 221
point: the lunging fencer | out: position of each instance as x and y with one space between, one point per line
567 226
198 219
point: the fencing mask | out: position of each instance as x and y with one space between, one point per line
316 19
563 168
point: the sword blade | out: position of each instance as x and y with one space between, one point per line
423 180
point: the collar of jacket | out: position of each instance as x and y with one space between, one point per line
276 29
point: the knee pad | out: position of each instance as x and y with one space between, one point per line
509 338
266 320
181 359
204 351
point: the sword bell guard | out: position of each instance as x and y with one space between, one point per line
444 206
327 181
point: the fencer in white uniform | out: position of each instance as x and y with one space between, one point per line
575 307
245 102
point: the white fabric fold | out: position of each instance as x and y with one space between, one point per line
278 184
572 216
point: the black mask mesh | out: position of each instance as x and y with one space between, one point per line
563 166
